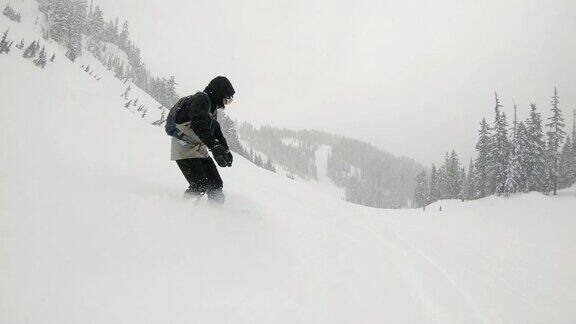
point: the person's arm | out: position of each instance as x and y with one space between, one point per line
200 121
219 135
201 127
222 140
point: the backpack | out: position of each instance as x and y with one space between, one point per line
170 126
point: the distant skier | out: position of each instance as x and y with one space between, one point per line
194 128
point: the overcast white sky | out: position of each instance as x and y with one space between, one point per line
414 77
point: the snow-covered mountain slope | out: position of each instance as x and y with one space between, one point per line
93 229
323 183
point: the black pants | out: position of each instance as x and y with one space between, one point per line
201 174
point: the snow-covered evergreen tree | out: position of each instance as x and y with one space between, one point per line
269 165
536 151
171 96
4 43
463 180
556 135
470 184
41 60
434 194
499 150
58 12
566 175
442 178
483 163
21 44
11 13
124 36
229 131
30 51
453 181
111 31
94 26
77 20
516 175
420 198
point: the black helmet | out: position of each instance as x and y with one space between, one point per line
219 89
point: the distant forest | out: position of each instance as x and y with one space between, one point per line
369 176
526 156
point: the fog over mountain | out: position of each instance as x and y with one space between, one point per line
376 71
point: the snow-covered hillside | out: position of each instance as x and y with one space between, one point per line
93 229
323 184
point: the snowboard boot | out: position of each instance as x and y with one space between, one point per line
193 194
216 196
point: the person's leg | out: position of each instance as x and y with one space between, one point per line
215 184
193 171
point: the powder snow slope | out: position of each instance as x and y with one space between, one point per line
93 230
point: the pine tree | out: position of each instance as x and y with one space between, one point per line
4 48
420 198
463 180
228 128
53 57
434 195
124 36
75 23
555 137
59 16
41 60
442 176
258 160
500 150
95 24
536 151
171 96
483 162
21 44
30 51
452 180
119 71
269 165
517 175
565 178
470 184
111 32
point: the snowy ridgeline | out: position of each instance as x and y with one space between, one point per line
94 228
130 97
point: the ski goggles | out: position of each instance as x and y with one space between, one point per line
228 100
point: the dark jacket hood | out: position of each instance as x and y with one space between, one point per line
218 89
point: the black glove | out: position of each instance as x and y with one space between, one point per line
230 158
220 154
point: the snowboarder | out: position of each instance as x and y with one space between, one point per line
196 130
